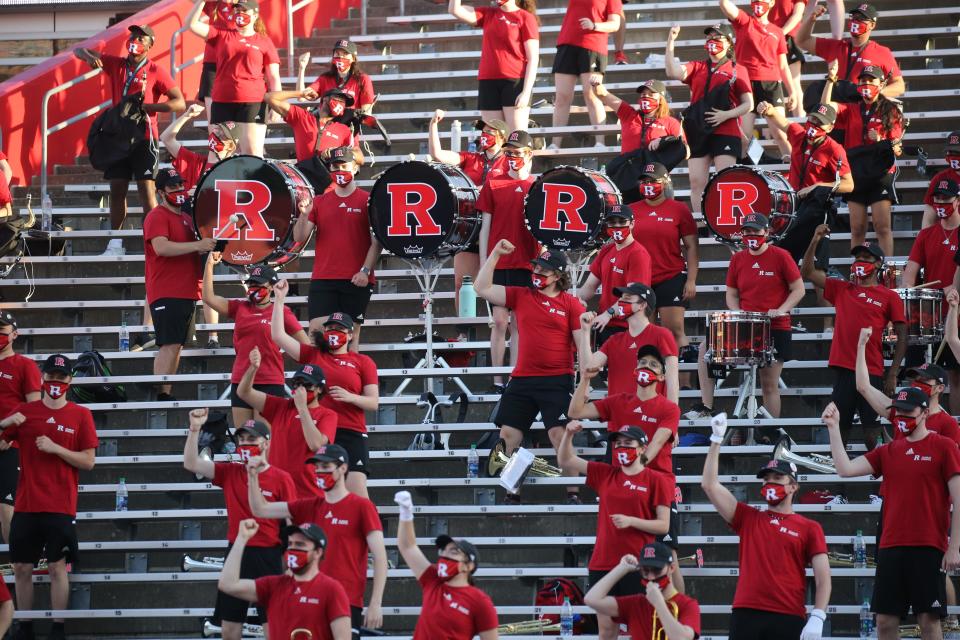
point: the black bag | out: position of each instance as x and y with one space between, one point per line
316 173
843 91
816 209
215 434
871 162
694 120
91 364
626 168
116 131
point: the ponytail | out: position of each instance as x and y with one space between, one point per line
529 6
260 26
890 114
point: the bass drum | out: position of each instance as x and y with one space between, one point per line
566 207
266 194
737 191
424 210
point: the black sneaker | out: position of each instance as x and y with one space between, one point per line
512 499
499 388
165 397
57 633
574 498
699 410
213 343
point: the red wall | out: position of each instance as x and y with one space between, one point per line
22 95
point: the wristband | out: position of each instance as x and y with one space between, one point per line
365 270
818 613
612 311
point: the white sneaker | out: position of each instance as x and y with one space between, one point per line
875 499
599 145
115 248
553 147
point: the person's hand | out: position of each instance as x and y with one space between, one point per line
791 101
255 465
673 33
214 257
309 94
373 618
865 334
621 521
813 630
304 60
689 290
951 560
629 561
716 117
47 445
342 395
523 100
14 419
831 416
776 313
654 595
5 444
360 279
503 247
193 111
596 81
586 318
280 291
953 297
247 529
833 68
873 135
654 144
574 426
405 501
255 357
819 11
718 427
764 108
198 417
890 382
437 116
587 24
589 372
300 398
822 231
602 320
206 245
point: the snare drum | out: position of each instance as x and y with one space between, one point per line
266 195
738 191
566 206
923 311
424 210
739 338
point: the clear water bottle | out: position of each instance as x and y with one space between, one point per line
473 462
124 338
456 130
566 619
468 299
472 147
122 495
859 551
46 213
866 621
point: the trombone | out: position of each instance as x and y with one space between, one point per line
498 459
913 630
840 559
211 630
528 627
206 563
817 462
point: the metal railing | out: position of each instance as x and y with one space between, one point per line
174 67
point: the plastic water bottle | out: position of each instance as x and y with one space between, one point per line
859 551
473 462
566 619
472 147
456 130
46 213
122 495
124 342
468 299
866 621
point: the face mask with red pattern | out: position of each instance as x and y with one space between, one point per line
135 47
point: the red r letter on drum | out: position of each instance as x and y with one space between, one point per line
563 198
736 196
256 199
401 208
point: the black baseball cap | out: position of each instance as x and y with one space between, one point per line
262 274
339 95
656 86
928 371
638 289
347 46
778 466
619 211
632 432
230 129
755 221
340 318
341 154
721 29
58 363
868 11
650 350
870 247
824 113
310 531
519 140
248 4
311 374
654 170
167 178
6 318
953 141
871 71
464 545
909 398
145 29
330 453
257 428
947 187
553 260
656 554
493 123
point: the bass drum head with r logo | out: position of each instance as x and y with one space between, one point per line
566 206
737 191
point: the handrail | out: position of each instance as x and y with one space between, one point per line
174 67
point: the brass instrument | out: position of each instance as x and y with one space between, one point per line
840 559
913 630
498 459
698 557
527 627
660 634
301 634
7 569
816 462
211 630
206 563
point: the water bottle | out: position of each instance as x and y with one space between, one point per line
46 215
124 337
472 147
859 551
468 299
866 621
456 130
122 495
473 462
566 619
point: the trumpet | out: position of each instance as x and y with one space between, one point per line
698 557
498 459
528 627
206 563
823 464
846 559
211 630
913 630
41 568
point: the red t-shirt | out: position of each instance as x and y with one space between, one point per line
347 524
19 375
478 167
546 328
276 485
305 129
852 61
809 165
598 11
627 409
763 281
696 79
946 174
621 351
859 307
292 604
4 187
616 268
502 198
4 592
758 47
856 121
288 448
773 544
502 54
661 229
941 423
252 329
781 11
191 166
917 513
342 238
216 20
637 613
152 80
638 496
47 483
452 613
174 276
933 250
350 371
360 89
636 132
242 63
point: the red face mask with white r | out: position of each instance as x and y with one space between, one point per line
242 19
135 47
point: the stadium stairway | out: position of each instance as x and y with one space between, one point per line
419 63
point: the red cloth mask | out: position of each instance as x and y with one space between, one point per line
773 493
257 295
242 19
341 64
869 91
859 27
216 144
337 107
248 451
759 8
926 388
648 106
814 132
646 377
515 164
447 569
953 162
177 198
861 269
663 581
54 390
904 424
4 341
325 480
485 141
619 234
944 209
296 560
335 339
135 47
626 456
714 47
342 178
651 190
624 309
539 281
752 241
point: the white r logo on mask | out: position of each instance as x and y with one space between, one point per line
771 494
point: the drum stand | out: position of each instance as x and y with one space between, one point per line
747 406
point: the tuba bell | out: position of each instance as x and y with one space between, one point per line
206 563
816 462
513 470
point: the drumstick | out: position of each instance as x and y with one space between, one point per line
234 220
924 285
943 343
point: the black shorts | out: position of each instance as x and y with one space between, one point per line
493 95
513 277
330 296
256 562
356 621
782 344
574 60
207 75
43 535
9 474
358 448
753 624
767 91
527 396
140 165
270 389
794 52
255 112
874 191
848 401
717 145
629 585
172 320
670 538
909 577
669 293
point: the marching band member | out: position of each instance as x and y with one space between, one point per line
860 303
344 75
350 522
951 154
303 602
712 133
658 611
222 142
6 200
316 134
543 378
445 584
220 14
509 57
634 507
787 14
774 542
920 485
500 205
650 124
263 553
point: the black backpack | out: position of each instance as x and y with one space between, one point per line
91 364
215 434
116 131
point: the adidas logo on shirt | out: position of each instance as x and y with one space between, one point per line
910 451
519 190
51 421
